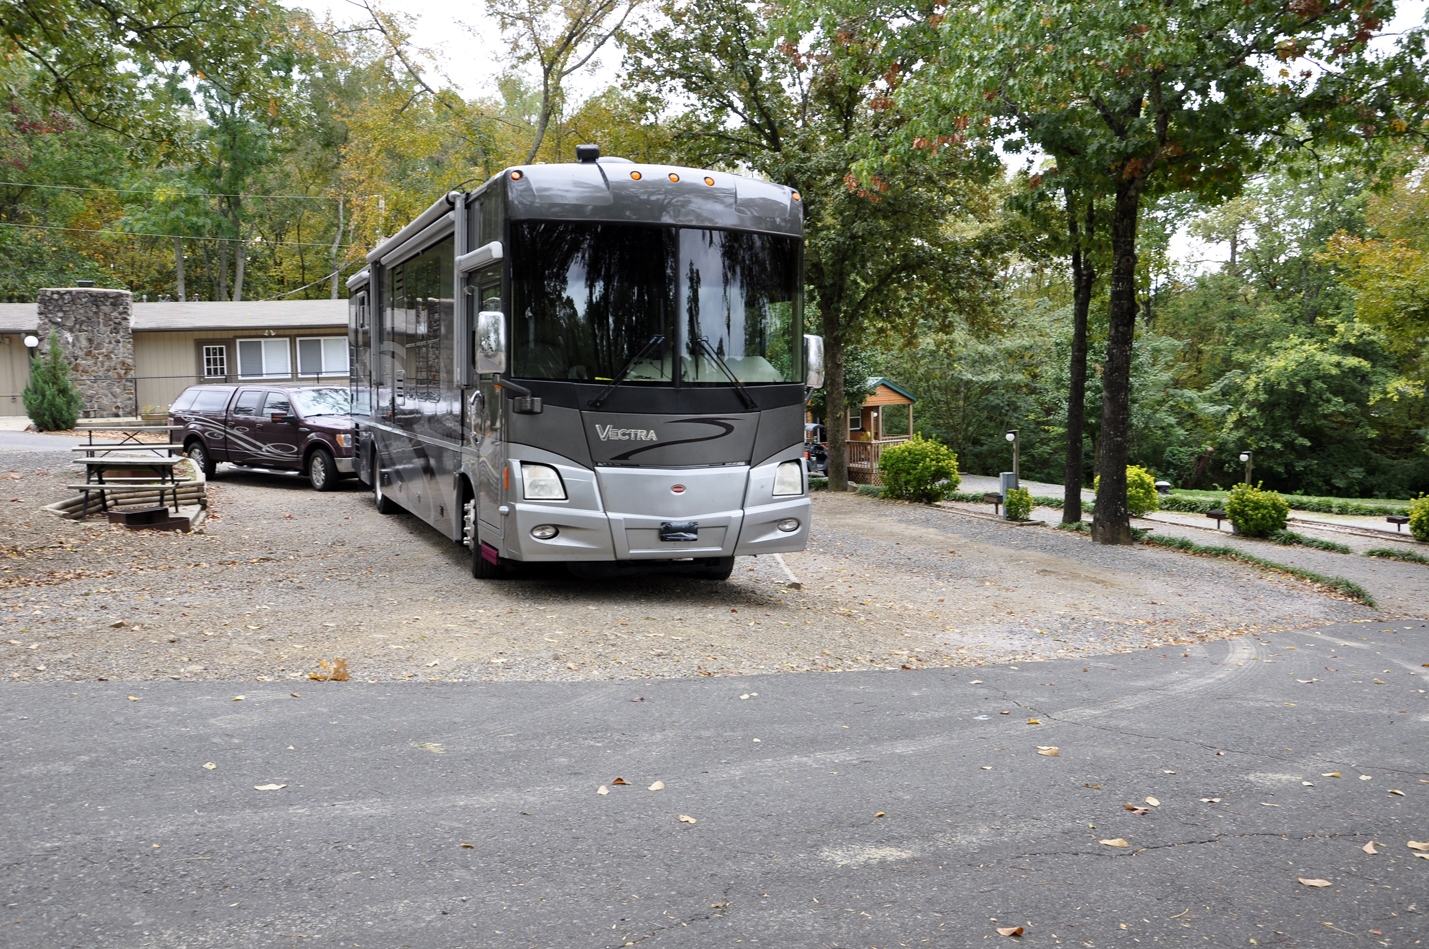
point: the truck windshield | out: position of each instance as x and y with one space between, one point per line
315 402
588 298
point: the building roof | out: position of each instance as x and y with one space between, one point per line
172 317
267 314
875 381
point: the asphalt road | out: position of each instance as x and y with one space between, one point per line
32 441
113 833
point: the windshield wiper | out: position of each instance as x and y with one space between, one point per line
739 386
620 376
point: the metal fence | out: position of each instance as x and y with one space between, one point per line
158 392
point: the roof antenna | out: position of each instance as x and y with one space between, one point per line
587 153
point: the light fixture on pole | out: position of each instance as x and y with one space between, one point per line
1245 456
1012 436
32 343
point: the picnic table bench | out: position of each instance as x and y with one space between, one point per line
98 478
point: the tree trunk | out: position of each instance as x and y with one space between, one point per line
238 266
543 120
336 243
1083 278
222 269
1112 523
835 409
179 266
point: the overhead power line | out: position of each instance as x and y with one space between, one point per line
187 237
178 194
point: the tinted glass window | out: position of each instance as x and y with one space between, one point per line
589 299
211 400
278 403
248 402
185 401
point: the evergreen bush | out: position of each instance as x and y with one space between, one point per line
1419 517
1141 496
51 400
1018 504
1255 512
919 470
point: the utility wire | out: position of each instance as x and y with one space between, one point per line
179 194
326 276
187 237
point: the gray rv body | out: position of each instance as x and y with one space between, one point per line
440 435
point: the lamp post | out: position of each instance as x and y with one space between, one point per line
1245 456
32 343
1016 467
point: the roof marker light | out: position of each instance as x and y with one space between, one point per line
710 182
635 176
797 196
674 177
516 176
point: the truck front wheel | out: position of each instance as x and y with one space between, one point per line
322 471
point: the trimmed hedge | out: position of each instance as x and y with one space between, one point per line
1202 501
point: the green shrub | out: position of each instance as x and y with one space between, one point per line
919 470
870 490
1141 496
1018 504
51 400
1292 539
1389 554
1419 517
1255 512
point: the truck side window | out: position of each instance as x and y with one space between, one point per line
278 403
248 402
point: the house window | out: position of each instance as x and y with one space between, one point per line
264 359
322 356
855 420
215 362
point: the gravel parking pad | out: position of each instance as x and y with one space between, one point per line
281 578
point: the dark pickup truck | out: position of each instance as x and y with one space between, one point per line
289 428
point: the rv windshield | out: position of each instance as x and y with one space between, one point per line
588 298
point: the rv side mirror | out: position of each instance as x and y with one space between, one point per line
491 341
813 361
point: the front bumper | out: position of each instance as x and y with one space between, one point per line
345 465
599 536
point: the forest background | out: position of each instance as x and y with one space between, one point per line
252 151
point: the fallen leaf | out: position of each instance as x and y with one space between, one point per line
1263 804
295 695
687 819
620 781
238 698
1329 774
1050 751
435 747
1369 848
879 814
602 790
975 682
1153 802
1138 811
1308 784
657 786
133 698
1424 855
1210 800
209 766
269 787
1033 721
1313 882
1114 842
432 663
467 846
1009 930
1365 777
987 767
1393 791
1418 845
742 697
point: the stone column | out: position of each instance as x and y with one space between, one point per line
97 340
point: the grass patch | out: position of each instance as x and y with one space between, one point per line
818 484
1390 554
1339 584
1292 539
871 490
966 497
1079 527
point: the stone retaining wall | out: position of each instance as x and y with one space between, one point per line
97 340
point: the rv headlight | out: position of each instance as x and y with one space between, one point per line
545 531
541 483
789 479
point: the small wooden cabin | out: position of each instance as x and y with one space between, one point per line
885 418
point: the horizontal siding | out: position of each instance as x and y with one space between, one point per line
886 396
14 373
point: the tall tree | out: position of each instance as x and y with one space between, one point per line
1147 98
807 101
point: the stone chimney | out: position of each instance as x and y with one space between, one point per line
97 341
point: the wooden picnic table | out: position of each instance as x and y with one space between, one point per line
95 476
128 433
